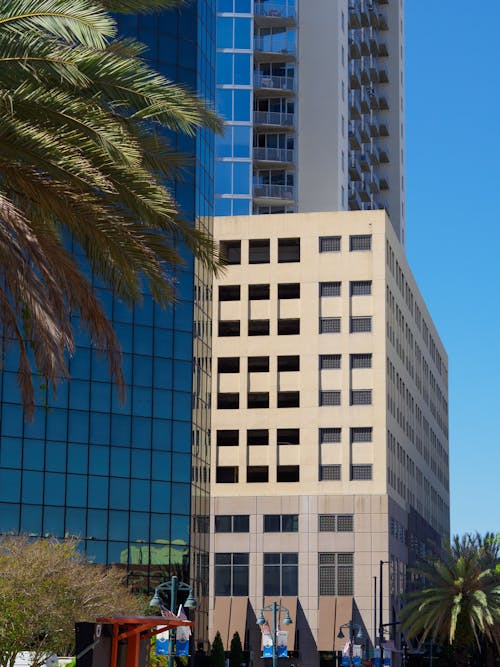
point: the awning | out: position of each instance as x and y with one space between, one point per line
230 616
289 603
326 621
343 616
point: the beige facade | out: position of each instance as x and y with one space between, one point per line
329 426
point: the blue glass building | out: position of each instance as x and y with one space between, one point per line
131 481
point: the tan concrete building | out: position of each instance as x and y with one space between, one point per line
329 427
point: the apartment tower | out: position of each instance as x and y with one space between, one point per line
329 430
313 95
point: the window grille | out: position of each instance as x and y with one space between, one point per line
361 472
336 573
360 242
361 288
329 289
361 324
361 360
327 523
329 244
329 473
329 325
361 397
327 435
345 523
329 361
361 434
329 398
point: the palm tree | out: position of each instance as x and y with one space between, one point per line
459 602
83 162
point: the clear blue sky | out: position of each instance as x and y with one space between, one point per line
453 228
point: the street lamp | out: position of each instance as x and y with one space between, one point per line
353 628
274 607
381 603
172 587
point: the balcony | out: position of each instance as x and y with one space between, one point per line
382 22
354 47
373 127
354 139
354 16
268 83
274 13
364 162
384 156
274 155
355 203
354 170
274 119
354 105
374 156
354 80
363 192
274 49
275 194
372 184
364 132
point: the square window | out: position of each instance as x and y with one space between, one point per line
361 288
361 472
361 434
328 361
288 363
330 435
329 398
257 436
258 292
360 242
288 250
230 252
361 360
329 473
329 244
329 325
361 397
288 436
289 291
228 365
361 324
329 289
259 251
229 292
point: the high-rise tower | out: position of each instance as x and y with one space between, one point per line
313 95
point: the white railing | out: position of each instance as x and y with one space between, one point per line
274 82
273 154
273 118
274 44
274 10
274 192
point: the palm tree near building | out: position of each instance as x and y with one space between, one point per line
459 601
84 160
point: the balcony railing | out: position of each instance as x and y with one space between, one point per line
273 154
274 118
274 10
270 45
286 192
273 82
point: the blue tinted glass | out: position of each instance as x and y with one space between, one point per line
242 67
184 315
118 552
163 373
161 434
162 466
141 433
78 427
160 496
120 462
242 141
118 493
225 103
223 177
143 340
100 396
241 206
241 178
36 428
162 407
180 528
222 207
12 420
243 6
118 526
55 456
182 405
100 370
242 33
183 375
96 551
32 491
139 495
10 452
143 314
98 491
242 105
124 332
160 528
97 524
53 521
76 491
57 425
99 428
143 371
141 401
31 520
77 458
141 464
10 485
181 498
98 460
224 32
79 395
224 6
139 526
224 144
181 463
224 68
75 522
120 430
122 312
55 488
9 518
182 436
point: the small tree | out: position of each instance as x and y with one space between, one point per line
45 587
217 654
236 651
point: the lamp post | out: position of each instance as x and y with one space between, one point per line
274 607
381 603
353 628
172 587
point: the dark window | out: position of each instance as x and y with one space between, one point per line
257 436
227 475
361 324
336 573
329 244
281 574
288 474
329 289
361 360
329 473
257 474
228 401
258 327
329 398
281 523
288 250
231 574
229 292
288 436
229 328
230 252
329 361
360 242
361 472
361 397
288 399
228 438
258 399
289 363
289 327
258 292
361 288
241 523
361 434
330 435
329 325
289 291
258 364
223 523
228 365
258 251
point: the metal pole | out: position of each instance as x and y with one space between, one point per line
430 661
374 611
351 642
174 584
381 606
275 615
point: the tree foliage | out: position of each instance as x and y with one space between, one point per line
235 651
83 164
217 654
459 602
45 587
